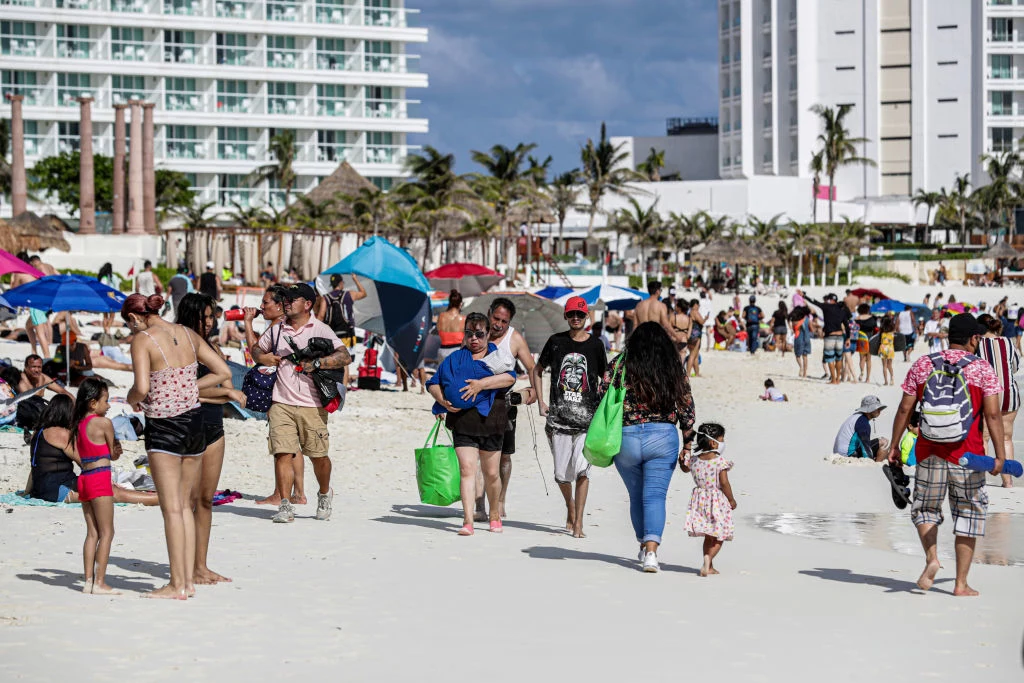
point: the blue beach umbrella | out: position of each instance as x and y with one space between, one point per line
554 292
67 293
888 306
397 304
615 298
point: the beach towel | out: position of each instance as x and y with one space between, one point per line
226 496
19 499
459 367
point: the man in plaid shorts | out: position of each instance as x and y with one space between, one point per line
938 468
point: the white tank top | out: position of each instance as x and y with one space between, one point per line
145 283
505 343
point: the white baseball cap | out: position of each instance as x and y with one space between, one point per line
210 265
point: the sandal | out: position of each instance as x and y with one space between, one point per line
496 526
466 530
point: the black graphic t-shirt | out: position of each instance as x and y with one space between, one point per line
576 372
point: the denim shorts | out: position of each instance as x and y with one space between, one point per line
833 349
802 345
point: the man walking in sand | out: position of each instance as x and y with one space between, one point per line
505 337
580 362
652 309
836 317
938 470
298 422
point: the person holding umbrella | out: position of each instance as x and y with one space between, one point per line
166 358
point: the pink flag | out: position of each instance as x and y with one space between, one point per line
826 192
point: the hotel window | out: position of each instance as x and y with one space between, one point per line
330 11
330 100
181 47
1002 103
282 98
379 149
33 141
182 142
331 146
73 41
18 38
1002 30
233 189
183 7
1002 139
232 49
233 143
378 56
128 44
330 54
21 83
281 52
383 184
68 138
378 13
181 95
282 10
70 86
233 96
127 88
1001 66
379 102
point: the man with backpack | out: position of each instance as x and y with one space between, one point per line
335 309
958 392
752 317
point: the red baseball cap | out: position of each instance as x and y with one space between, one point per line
576 303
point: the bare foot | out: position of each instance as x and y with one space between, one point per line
570 521
190 590
578 533
87 586
964 591
713 571
706 567
298 500
928 575
501 508
166 593
103 589
206 577
272 499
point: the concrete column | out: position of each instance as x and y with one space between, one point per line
19 186
119 184
148 169
86 181
136 214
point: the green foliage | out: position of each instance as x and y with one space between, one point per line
636 282
875 272
164 273
127 283
172 190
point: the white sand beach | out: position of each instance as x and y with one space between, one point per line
386 590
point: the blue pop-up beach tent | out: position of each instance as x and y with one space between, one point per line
397 304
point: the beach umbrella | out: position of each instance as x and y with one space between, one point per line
872 293
67 293
554 292
615 298
536 318
1001 250
469 279
397 303
888 306
12 264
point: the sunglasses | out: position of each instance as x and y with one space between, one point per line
479 334
576 314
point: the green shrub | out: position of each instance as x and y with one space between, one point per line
874 272
637 282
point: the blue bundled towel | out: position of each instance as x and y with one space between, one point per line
985 463
459 367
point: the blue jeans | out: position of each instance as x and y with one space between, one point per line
753 338
646 463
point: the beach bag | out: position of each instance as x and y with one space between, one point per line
947 411
604 437
437 471
258 386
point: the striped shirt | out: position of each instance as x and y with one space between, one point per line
1003 357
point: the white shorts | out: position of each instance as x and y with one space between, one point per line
567 451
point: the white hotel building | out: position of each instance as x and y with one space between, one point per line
934 84
225 76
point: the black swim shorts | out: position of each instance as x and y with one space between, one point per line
181 435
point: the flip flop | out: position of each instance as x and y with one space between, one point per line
899 483
466 530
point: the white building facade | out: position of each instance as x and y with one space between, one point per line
933 84
225 76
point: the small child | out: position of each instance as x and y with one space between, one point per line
908 444
712 502
771 393
95 447
887 348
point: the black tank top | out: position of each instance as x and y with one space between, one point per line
208 284
47 459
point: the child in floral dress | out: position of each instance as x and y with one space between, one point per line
712 502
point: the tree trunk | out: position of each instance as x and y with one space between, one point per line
558 246
810 268
831 197
800 269
836 280
643 269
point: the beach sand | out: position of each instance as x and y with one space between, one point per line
386 591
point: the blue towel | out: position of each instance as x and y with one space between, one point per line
452 376
985 463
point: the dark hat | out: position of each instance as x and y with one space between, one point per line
300 291
965 325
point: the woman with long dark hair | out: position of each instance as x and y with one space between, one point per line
165 359
195 311
658 399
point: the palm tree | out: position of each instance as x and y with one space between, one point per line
838 148
194 217
817 167
959 201
764 234
404 221
368 209
852 235
538 170
641 225
805 239
246 216
564 190
441 194
281 171
604 173
316 215
1001 198
683 233
931 200
506 182
483 228
652 165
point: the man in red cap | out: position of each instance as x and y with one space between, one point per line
578 362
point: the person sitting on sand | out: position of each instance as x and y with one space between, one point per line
771 393
854 437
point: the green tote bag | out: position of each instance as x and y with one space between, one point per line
604 437
437 471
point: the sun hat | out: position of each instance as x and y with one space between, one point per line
576 303
870 404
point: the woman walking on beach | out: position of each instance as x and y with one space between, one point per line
697 323
681 323
167 391
711 503
195 311
780 327
868 327
800 319
1003 357
272 308
657 400
477 431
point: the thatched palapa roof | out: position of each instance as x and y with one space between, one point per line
1001 250
30 232
344 180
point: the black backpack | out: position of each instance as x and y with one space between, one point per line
335 317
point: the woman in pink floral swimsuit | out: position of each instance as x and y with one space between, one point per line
712 502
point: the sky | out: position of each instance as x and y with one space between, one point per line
550 71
